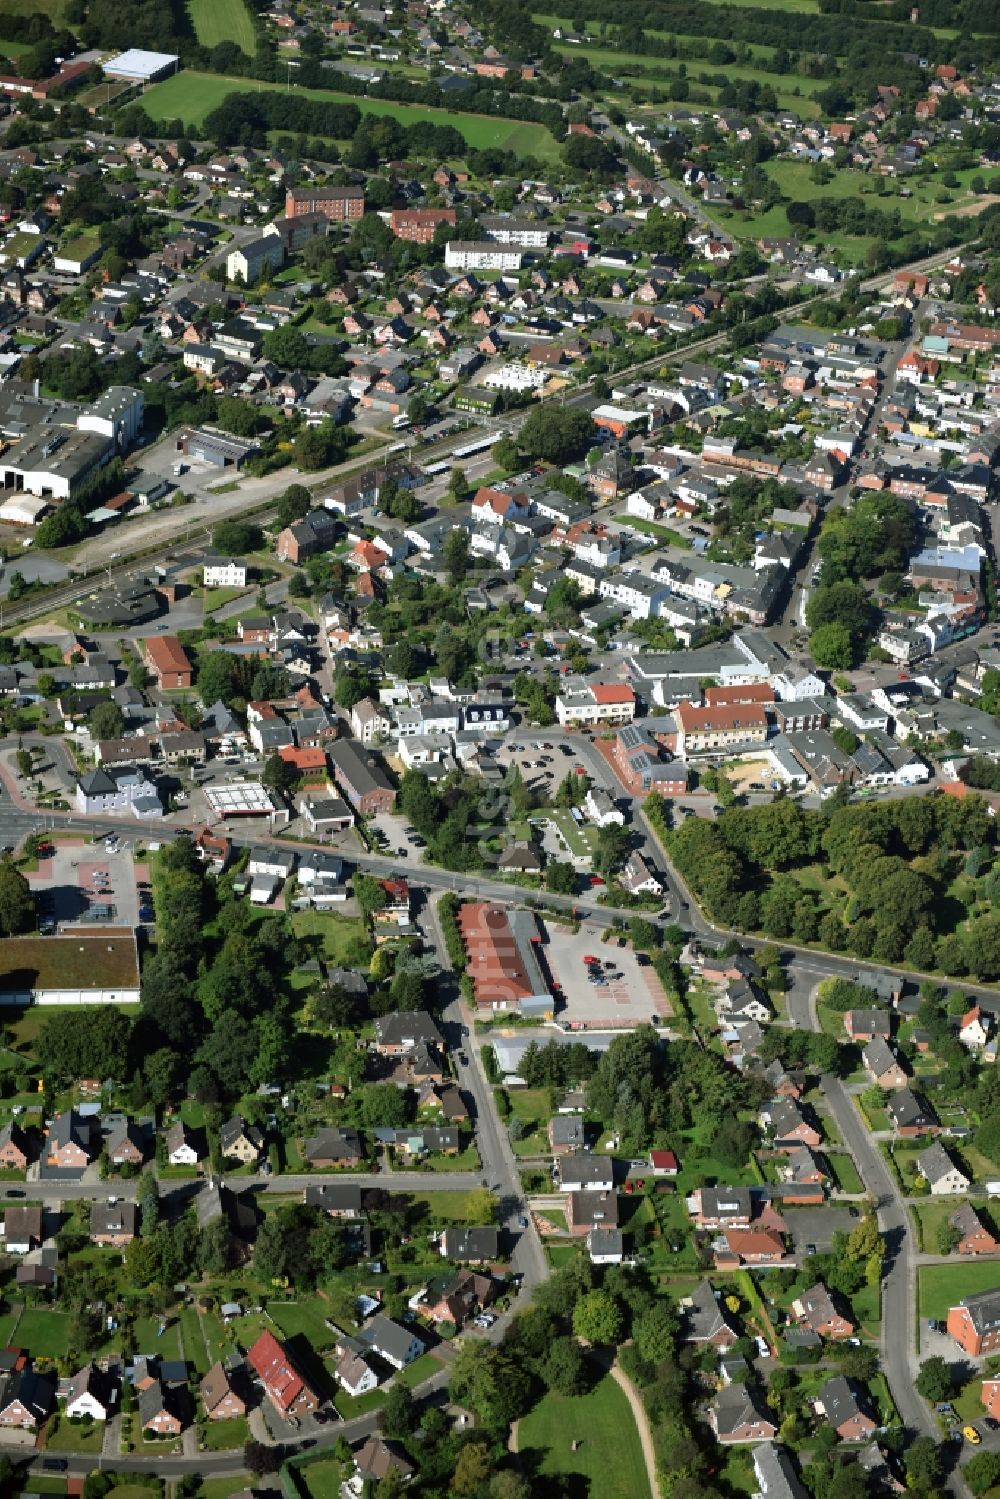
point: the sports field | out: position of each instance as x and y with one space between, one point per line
190 96
216 21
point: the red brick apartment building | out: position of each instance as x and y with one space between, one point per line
168 661
337 203
419 224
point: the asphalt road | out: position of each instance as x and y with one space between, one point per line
899 1289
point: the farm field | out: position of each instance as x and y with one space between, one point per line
791 89
54 9
609 1454
216 21
190 96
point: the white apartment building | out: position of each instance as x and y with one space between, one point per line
481 255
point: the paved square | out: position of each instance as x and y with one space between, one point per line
80 878
629 995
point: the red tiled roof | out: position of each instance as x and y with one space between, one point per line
611 692
281 1379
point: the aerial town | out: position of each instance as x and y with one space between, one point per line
499 749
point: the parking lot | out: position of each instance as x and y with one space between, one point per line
398 839
628 994
86 883
814 1228
542 765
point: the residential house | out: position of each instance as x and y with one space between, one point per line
113 1223
720 1207
378 1458
788 1126
844 1406
69 1143
910 1114
470 1246
817 1310
775 1474
566 1134
286 1387
91 1392
239 1141
456 1300
169 662
593 1173
333 1148
161 1412
220 1396
975 1028
940 1172
354 1372
990 1396
13 1147
974 1322
739 1413
22 1229
184 1147
705 1320
25 1399
125 1141
866 1025
396 1344
974 1236
402 1031
882 1066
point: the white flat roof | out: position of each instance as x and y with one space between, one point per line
138 63
244 798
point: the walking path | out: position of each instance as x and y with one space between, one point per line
634 1399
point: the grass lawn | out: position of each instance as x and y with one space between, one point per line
43 1332
191 96
930 1216
650 528
149 1341
219 1488
941 1286
218 21
349 1406
222 1436
845 1172
76 1437
195 1349
320 1480
444 1207
335 933
217 598
305 1318
559 1255
422 1368
530 1105
609 1455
